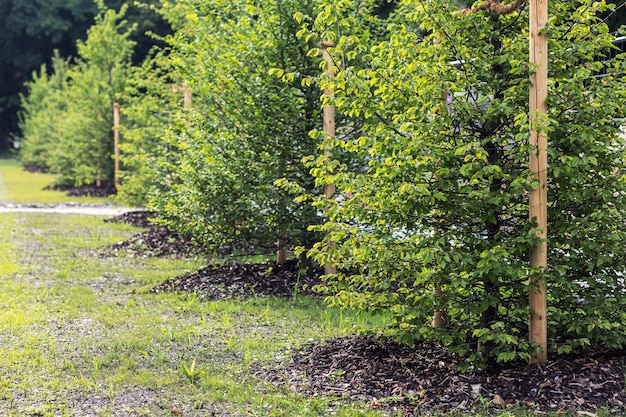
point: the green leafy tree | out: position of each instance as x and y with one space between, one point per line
40 114
83 147
254 104
151 111
434 212
30 30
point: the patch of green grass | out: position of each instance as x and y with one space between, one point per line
24 187
80 330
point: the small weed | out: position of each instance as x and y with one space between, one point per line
191 372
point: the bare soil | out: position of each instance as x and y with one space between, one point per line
396 377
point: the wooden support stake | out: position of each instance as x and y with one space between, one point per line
439 317
538 327
116 143
281 253
187 97
329 126
186 90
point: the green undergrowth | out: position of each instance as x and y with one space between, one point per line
24 187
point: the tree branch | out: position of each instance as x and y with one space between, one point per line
496 7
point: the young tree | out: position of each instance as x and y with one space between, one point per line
39 117
248 127
83 145
437 218
150 110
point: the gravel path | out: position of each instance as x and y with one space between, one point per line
70 208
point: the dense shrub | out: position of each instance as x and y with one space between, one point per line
248 125
435 217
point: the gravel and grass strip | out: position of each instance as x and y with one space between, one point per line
80 335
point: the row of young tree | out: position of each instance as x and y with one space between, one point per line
429 159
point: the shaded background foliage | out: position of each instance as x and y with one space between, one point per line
68 131
30 31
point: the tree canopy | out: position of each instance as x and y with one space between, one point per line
437 214
76 137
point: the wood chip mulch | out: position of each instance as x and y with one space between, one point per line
85 190
423 378
243 281
137 218
157 241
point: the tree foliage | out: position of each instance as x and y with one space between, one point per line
435 214
30 30
150 111
77 135
253 106
41 111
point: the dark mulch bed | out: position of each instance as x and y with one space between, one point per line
423 379
160 241
36 169
137 218
84 190
156 241
244 281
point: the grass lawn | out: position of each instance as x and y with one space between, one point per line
81 336
23 187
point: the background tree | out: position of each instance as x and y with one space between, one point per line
85 148
439 201
30 30
41 112
616 16
80 144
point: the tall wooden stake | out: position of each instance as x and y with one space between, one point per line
281 253
538 327
116 143
186 90
329 125
187 97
